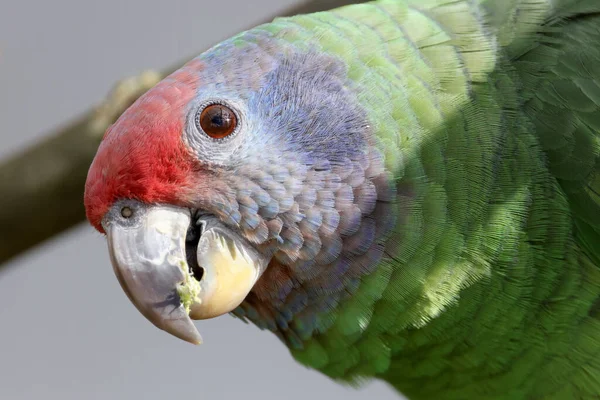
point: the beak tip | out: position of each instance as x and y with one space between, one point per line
196 340
184 329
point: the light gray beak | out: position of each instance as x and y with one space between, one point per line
147 251
147 246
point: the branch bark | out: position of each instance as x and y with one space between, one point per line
42 187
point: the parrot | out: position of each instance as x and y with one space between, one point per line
399 190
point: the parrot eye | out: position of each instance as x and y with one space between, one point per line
217 121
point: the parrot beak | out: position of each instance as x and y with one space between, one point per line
147 246
147 251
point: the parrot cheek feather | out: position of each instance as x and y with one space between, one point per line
274 225
258 235
331 237
350 219
330 251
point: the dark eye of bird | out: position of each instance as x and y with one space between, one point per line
217 121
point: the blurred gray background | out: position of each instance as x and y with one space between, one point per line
67 330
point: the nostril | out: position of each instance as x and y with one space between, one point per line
126 212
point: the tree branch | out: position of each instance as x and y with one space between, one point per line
42 187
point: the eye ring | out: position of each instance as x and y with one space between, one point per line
217 120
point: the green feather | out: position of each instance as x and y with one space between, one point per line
488 114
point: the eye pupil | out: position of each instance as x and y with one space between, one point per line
218 121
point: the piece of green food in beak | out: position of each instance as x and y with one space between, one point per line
147 246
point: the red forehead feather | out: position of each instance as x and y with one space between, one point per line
142 156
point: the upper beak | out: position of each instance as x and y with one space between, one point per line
147 256
147 247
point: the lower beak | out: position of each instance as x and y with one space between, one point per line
148 254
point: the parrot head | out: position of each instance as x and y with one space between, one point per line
246 181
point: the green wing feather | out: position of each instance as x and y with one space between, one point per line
565 107
488 113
